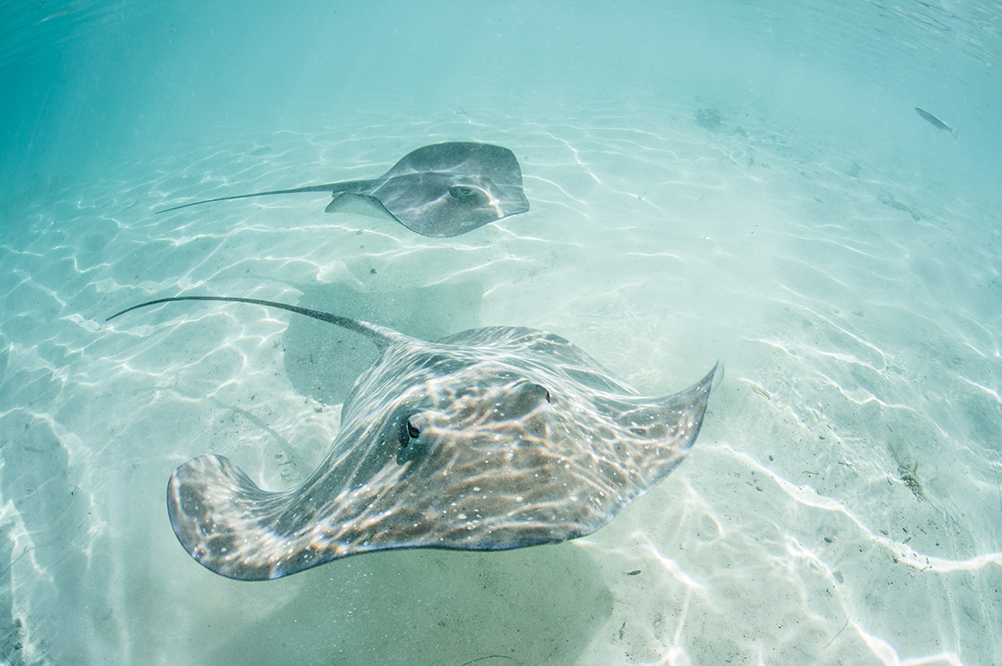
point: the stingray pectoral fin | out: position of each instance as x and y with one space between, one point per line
218 514
682 413
358 204
669 424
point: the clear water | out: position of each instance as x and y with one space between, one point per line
745 181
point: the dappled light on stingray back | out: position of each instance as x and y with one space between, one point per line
489 439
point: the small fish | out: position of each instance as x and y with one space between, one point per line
936 122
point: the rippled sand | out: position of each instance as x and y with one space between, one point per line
842 503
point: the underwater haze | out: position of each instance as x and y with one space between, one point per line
746 181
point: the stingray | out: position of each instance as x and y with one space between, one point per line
490 439
441 190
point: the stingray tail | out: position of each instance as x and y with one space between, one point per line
222 519
331 188
380 335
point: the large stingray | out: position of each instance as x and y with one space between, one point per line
489 439
441 190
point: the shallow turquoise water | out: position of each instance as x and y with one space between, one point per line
738 181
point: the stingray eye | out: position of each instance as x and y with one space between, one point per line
461 191
407 433
541 392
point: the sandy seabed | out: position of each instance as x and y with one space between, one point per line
842 504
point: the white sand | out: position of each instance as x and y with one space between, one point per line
858 325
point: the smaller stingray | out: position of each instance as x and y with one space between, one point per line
489 439
441 190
